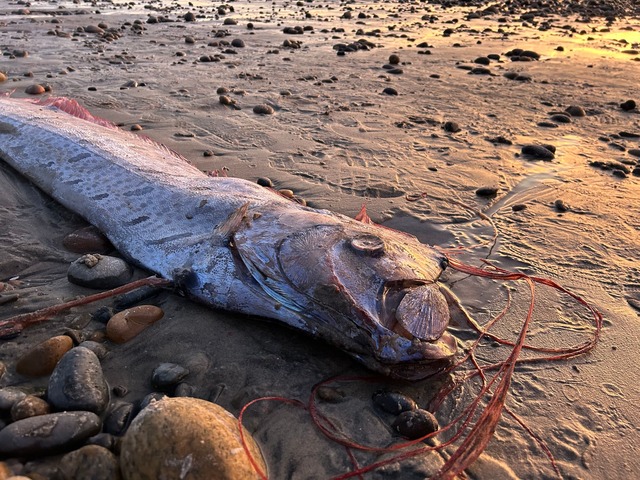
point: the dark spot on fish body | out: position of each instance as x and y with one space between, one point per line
139 191
73 182
170 238
7 128
79 157
203 203
137 221
100 196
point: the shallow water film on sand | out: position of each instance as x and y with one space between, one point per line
523 111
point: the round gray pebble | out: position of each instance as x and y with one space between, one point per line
99 271
168 375
414 424
393 402
77 383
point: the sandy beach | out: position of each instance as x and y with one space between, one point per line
347 125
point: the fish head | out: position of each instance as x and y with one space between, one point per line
369 290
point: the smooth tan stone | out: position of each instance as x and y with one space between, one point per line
91 462
186 438
87 240
125 325
43 358
29 406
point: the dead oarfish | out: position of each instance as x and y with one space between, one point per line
234 245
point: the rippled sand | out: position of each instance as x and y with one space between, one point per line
337 141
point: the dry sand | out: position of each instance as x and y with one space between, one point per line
337 141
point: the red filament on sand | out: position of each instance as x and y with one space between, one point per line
473 428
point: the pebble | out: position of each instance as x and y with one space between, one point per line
263 109
167 375
265 182
29 406
226 100
394 59
91 462
452 127
87 240
9 396
538 152
35 89
561 206
204 441
125 325
626 106
43 358
106 440
487 191
77 383
576 111
390 91
393 402
3 77
634 151
482 61
285 192
48 433
189 17
118 418
414 424
150 398
136 127
561 118
330 394
238 43
99 271
518 207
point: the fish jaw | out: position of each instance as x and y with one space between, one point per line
370 291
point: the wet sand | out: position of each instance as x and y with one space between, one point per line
338 141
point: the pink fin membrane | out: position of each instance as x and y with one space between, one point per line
73 108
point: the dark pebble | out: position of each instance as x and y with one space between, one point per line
87 240
77 383
152 397
167 375
561 118
482 61
106 440
99 271
265 182
619 173
500 140
118 418
561 206
189 17
395 71
634 151
394 59
330 394
487 191
128 300
48 433
546 124
390 91
518 207
263 109
414 424
184 389
451 127
538 152
238 43
576 111
480 71
393 402
629 134
626 106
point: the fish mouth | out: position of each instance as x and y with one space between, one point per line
414 309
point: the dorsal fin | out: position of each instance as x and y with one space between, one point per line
72 107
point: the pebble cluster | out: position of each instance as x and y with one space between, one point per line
83 424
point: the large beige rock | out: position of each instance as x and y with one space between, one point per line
186 439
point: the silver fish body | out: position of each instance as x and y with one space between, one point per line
234 245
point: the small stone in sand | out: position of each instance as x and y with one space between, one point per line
189 17
136 128
125 325
43 358
626 106
518 207
230 21
87 240
226 100
561 118
538 152
414 424
29 406
263 109
487 191
202 435
35 89
77 383
451 127
576 111
48 433
265 182
394 59
167 375
3 77
390 91
561 206
393 402
89 462
482 61
9 396
99 271
238 43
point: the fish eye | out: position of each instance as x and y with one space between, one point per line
444 263
368 244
